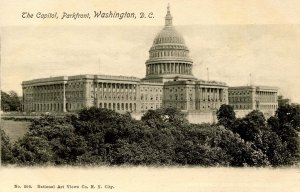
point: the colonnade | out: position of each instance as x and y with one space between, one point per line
266 96
45 98
165 68
115 95
211 94
111 90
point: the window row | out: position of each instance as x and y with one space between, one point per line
118 106
146 106
146 97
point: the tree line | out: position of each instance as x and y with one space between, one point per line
10 101
98 136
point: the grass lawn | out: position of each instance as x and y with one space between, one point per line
14 129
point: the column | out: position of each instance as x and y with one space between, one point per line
64 98
179 68
168 68
174 67
221 94
111 91
160 68
102 90
153 68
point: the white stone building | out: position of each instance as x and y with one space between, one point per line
169 81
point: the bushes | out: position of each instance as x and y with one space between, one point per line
163 137
285 124
50 140
6 149
276 138
33 150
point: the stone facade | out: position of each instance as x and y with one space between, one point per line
66 94
120 93
244 99
197 95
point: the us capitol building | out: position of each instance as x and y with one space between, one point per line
169 81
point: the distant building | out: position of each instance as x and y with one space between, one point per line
244 99
169 81
283 101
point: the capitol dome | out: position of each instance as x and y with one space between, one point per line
168 35
168 55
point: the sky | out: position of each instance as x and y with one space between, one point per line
231 47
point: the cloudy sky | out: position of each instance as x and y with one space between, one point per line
269 50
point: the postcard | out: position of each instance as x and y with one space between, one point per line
149 95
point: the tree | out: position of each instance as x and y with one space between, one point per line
10 101
5 101
238 152
276 150
226 116
285 124
164 117
154 118
15 102
33 150
251 126
6 149
60 134
288 114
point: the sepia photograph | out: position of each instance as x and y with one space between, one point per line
150 96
